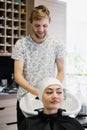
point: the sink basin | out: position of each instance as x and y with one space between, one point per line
29 103
71 104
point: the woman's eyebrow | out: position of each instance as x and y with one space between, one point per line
53 89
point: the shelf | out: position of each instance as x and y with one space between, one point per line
13 23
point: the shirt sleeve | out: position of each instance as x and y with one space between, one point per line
60 50
18 52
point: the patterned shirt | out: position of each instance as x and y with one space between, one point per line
39 59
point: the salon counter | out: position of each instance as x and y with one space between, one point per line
8 112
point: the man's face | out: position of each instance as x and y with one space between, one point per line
40 27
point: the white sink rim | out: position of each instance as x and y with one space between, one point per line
37 104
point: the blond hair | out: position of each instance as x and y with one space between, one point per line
39 12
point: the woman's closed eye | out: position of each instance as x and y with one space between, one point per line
50 92
59 92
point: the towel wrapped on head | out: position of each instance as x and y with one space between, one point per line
45 83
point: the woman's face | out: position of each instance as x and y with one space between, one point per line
52 98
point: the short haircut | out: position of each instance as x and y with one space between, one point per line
39 12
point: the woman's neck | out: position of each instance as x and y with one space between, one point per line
50 111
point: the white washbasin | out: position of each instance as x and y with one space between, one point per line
29 103
71 104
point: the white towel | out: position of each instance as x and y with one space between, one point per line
45 83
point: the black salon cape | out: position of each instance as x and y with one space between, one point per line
50 122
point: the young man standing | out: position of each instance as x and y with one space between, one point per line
36 55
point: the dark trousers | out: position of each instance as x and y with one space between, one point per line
20 116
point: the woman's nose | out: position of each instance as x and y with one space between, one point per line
55 95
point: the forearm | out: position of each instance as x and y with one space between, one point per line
60 76
60 69
23 83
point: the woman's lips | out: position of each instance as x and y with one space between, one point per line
54 102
